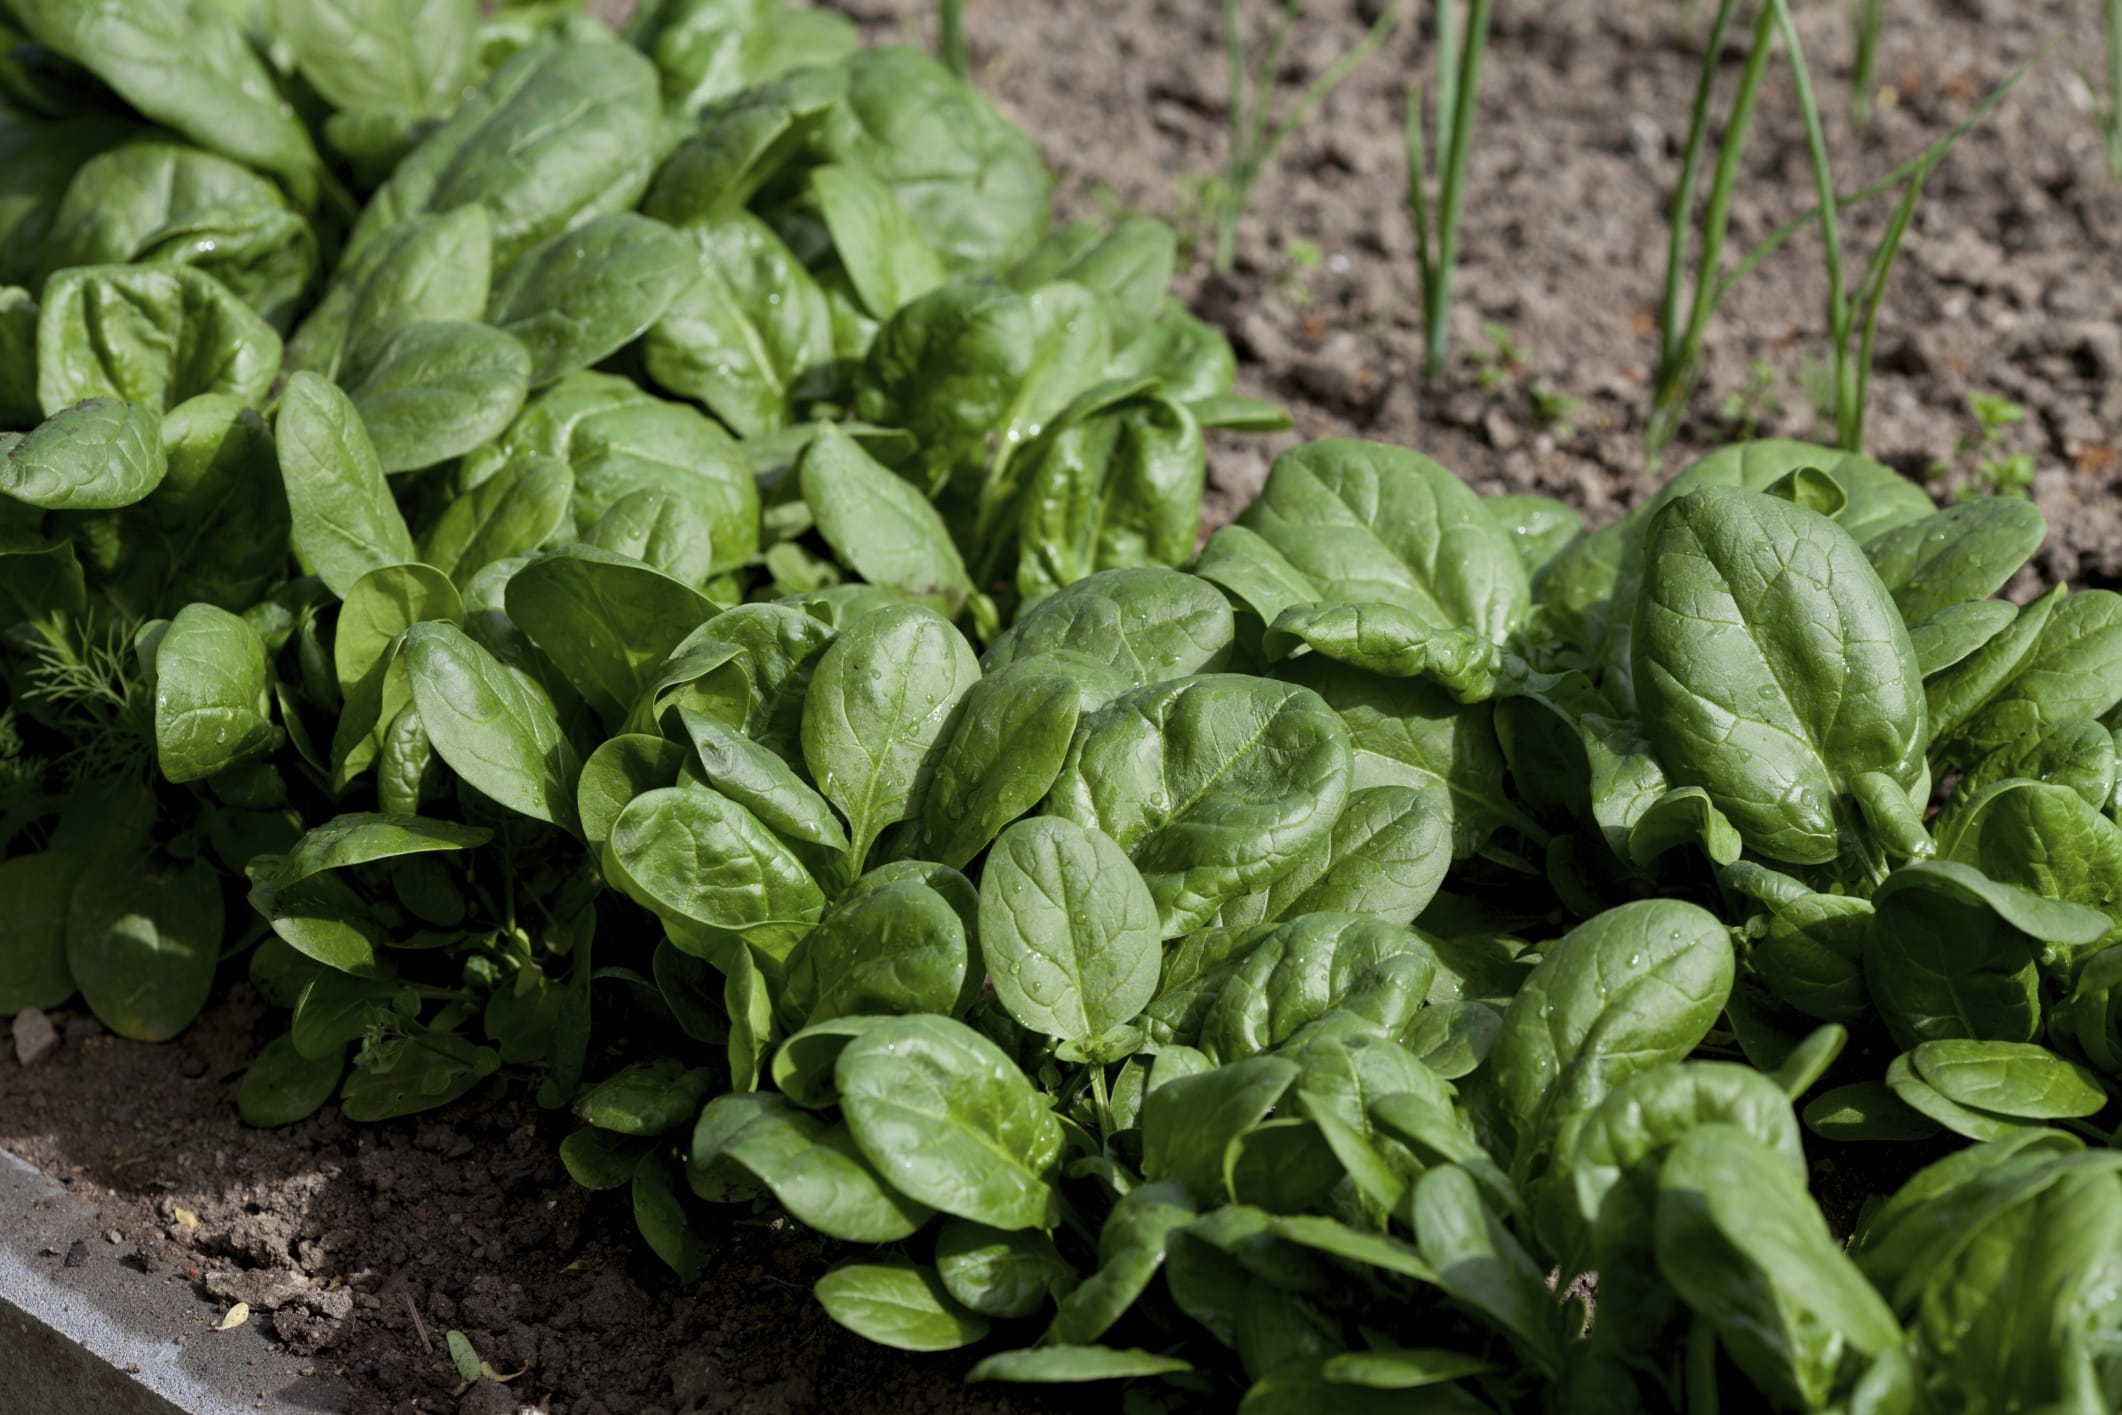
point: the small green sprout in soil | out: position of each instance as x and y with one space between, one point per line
1746 409
1301 258
1695 280
1554 409
1496 367
1990 467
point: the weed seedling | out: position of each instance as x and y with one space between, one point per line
1747 408
1301 258
1555 410
1500 363
1993 470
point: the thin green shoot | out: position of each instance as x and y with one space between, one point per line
1255 137
1853 315
1864 76
950 37
1689 304
2111 115
1681 333
1437 221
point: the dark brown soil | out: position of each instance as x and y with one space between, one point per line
2008 284
463 1217
2010 281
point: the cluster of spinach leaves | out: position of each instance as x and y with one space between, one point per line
660 580
1308 978
393 389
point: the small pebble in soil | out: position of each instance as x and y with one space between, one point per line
78 1254
35 1037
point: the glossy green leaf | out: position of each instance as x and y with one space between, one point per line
212 707
436 390
950 1121
491 727
96 455
877 705
1772 667
1068 928
1214 786
346 521
895 1303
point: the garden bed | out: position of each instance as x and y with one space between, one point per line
464 1219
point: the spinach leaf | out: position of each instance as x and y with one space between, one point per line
897 1304
557 134
1371 522
880 525
190 68
605 620
434 390
940 1109
1772 668
148 334
748 338
1636 987
97 455
590 289
1214 786
212 708
346 522
410 55
694 854
875 709
493 728
1742 1244
1068 928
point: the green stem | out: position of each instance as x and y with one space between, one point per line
1701 1367
1226 204
1848 417
1864 82
1447 71
1253 143
1451 194
1681 220
950 36
2114 88
1101 1102
1679 365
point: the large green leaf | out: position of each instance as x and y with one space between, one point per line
951 1121
1772 668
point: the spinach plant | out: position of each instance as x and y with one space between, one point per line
693 611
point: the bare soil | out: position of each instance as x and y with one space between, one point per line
2010 283
375 1241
